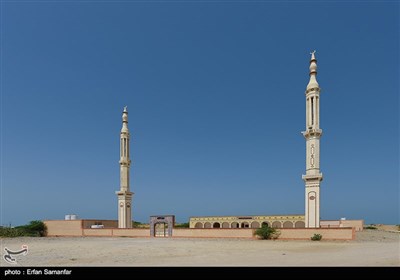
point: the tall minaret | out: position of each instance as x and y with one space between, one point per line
124 194
312 134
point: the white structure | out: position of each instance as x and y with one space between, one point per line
312 134
124 194
71 217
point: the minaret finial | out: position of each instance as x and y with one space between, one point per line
313 54
313 72
125 120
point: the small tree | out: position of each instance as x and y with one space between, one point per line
266 232
35 228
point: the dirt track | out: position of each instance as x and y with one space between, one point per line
371 248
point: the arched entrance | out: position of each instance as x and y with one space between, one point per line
265 224
287 224
161 229
245 225
216 225
225 225
161 226
198 225
299 224
235 225
255 224
207 225
276 224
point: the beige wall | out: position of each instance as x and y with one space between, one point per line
106 223
82 228
213 232
327 234
285 233
97 232
74 228
64 227
132 232
330 224
357 224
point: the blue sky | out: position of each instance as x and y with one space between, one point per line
215 93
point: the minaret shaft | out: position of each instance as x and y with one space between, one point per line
124 194
312 135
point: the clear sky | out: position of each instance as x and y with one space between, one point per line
215 93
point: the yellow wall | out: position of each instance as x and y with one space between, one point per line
278 219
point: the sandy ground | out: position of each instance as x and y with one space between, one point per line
371 248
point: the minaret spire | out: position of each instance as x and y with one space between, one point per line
313 72
125 120
312 135
124 194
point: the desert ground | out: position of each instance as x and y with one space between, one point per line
371 248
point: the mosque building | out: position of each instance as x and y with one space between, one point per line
312 178
293 226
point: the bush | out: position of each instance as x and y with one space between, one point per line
266 232
183 225
136 224
371 227
34 228
11 232
316 237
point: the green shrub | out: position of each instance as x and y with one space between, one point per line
316 237
136 224
370 227
11 232
34 228
182 225
266 232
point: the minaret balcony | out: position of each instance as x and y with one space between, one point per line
312 178
312 132
124 193
315 90
125 161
